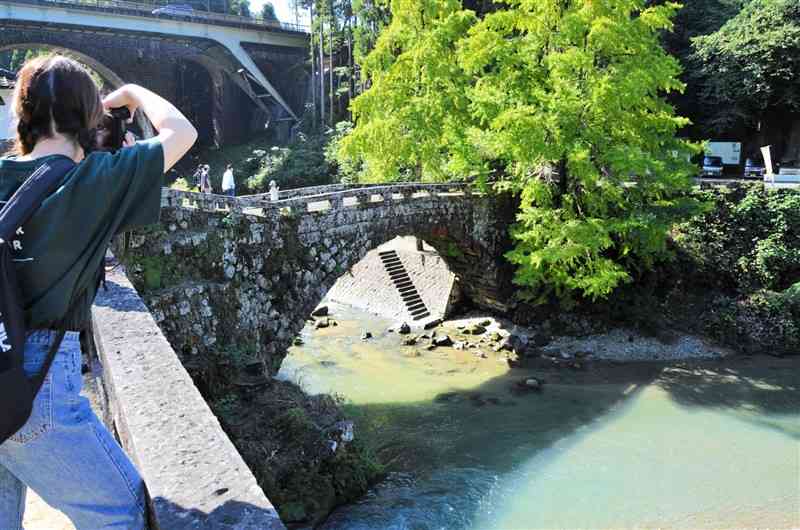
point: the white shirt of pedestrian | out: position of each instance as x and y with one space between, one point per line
227 180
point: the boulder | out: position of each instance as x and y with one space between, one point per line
366 335
474 329
459 345
486 323
530 384
323 323
321 311
443 340
297 341
404 329
533 384
433 323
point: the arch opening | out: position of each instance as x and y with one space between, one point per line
404 279
13 56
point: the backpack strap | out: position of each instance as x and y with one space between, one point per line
18 211
28 197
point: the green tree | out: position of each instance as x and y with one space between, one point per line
412 121
751 65
240 7
561 101
268 12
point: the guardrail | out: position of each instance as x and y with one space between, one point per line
313 199
146 9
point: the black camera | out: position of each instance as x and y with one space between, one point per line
112 129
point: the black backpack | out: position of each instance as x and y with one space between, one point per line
17 391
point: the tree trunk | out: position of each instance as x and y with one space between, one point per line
330 58
321 69
562 182
350 67
313 69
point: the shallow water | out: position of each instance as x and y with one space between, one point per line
697 445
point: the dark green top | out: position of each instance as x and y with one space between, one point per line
59 252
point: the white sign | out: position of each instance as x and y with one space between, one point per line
769 176
730 152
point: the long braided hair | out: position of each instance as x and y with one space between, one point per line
54 93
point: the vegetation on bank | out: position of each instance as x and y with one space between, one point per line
733 274
296 445
744 252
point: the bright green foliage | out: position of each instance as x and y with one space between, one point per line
752 63
559 100
414 113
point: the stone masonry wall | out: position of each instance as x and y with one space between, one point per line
222 281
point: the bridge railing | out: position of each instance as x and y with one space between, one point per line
365 196
313 199
146 9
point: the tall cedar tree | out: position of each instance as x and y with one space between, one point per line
561 101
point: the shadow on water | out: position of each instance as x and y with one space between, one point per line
445 455
761 390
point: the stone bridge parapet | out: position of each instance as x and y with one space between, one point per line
195 476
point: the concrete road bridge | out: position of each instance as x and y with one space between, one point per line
230 75
225 272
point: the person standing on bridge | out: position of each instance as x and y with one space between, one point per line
228 184
63 451
205 183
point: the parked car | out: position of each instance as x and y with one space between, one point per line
753 170
175 10
712 166
788 173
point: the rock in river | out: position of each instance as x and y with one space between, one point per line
321 311
443 340
404 329
474 329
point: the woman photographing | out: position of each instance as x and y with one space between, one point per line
63 451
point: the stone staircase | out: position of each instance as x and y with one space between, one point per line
402 282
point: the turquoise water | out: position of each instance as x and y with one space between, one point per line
703 445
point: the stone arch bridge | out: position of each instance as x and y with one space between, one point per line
243 274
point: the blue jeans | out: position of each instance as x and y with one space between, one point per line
230 193
65 453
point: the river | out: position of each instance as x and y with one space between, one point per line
683 445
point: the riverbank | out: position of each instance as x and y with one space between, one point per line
468 445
